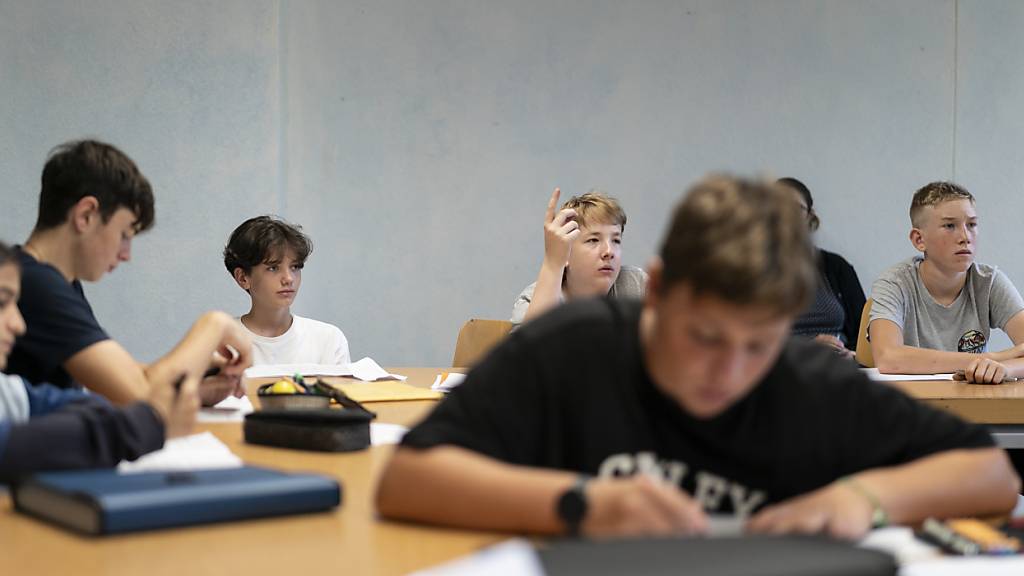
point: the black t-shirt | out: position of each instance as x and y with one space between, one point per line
59 321
570 391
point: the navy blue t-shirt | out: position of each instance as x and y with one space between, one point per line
60 324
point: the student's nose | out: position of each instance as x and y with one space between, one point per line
125 253
606 250
729 367
287 277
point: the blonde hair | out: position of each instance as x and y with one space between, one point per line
744 241
935 193
596 207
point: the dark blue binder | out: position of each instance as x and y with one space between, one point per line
105 502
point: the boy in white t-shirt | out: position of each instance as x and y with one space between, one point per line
265 256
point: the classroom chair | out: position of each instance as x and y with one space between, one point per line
864 356
476 338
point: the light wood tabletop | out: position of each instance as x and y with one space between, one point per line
981 403
349 540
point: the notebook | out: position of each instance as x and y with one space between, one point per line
106 502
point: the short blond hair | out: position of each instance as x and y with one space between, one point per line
744 241
596 207
933 194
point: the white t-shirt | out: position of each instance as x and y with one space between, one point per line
306 342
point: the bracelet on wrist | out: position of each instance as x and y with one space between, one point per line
879 517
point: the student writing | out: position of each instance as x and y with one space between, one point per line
614 417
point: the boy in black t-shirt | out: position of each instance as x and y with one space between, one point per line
47 428
691 404
92 203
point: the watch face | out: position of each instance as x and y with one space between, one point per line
571 507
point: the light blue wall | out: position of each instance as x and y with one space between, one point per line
191 91
417 141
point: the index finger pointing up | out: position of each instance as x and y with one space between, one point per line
552 205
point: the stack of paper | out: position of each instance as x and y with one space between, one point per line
366 370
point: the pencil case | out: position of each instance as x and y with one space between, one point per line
322 430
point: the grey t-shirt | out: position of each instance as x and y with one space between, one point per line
631 283
987 300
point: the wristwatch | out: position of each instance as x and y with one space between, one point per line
572 506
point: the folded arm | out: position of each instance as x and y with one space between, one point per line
892 356
85 433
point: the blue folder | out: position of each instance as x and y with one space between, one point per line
105 502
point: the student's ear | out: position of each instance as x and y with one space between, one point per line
917 239
655 269
84 212
241 278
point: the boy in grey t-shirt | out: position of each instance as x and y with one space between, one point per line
582 256
935 313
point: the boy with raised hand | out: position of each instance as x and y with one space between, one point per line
693 402
582 256
43 427
933 313
92 203
265 256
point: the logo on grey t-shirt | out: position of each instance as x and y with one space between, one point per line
972 341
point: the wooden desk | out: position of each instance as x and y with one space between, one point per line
350 540
981 403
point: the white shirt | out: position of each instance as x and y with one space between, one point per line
306 342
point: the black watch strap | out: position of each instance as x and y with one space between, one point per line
572 505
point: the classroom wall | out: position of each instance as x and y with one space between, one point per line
417 142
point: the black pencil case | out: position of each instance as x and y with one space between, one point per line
324 430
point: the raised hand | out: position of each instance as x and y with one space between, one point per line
560 230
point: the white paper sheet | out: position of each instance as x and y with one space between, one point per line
450 381
514 557
198 451
381 433
230 409
365 369
874 374
901 543
967 565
